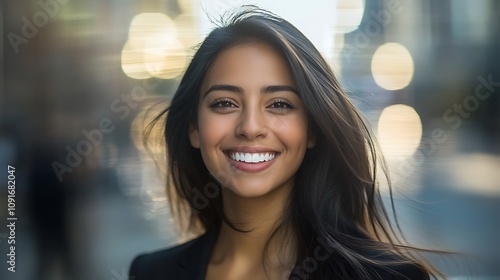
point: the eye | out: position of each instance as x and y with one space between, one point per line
222 104
281 105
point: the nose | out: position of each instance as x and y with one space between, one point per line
252 124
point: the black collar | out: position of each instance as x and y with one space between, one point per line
193 262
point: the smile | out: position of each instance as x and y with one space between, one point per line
252 157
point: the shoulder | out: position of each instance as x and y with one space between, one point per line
159 263
171 262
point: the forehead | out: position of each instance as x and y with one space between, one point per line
249 62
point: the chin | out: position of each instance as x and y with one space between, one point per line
249 193
250 190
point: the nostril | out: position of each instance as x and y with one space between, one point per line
251 128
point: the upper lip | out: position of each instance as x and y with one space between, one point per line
248 149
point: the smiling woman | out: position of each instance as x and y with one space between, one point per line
251 109
261 131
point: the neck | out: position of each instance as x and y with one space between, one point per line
260 217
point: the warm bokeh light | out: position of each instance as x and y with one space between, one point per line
476 173
153 48
399 130
392 66
164 58
186 5
188 31
133 62
147 25
348 15
336 59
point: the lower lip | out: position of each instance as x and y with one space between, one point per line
251 167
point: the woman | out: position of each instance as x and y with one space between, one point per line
268 156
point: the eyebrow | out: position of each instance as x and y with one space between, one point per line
236 89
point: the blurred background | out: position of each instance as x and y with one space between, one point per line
78 77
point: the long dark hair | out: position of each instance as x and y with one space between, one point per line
335 203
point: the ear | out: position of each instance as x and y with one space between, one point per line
311 139
194 136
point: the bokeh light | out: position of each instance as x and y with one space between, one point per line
392 66
188 31
336 59
349 14
133 62
399 130
147 25
164 58
476 173
153 48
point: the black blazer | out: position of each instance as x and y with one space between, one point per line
189 261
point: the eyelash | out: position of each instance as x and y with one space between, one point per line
283 102
218 104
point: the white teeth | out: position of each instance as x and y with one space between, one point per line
252 157
255 157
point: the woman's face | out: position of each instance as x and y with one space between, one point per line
252 125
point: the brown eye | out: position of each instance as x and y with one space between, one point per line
221 104
281 105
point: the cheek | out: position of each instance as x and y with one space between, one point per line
292 131
212 129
